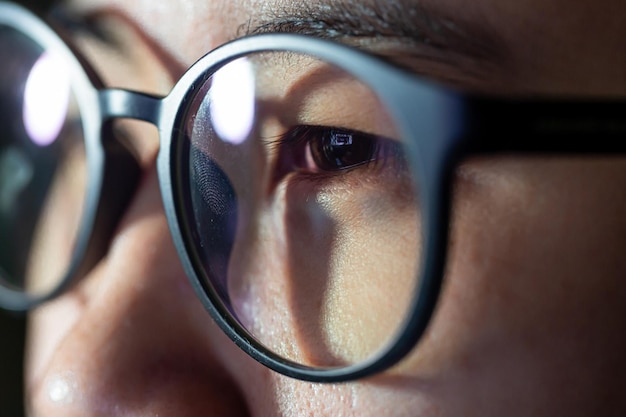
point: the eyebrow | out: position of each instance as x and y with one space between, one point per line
402 20
460 52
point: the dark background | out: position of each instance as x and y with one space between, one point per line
12 326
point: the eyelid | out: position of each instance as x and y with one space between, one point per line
382 148
302 132
62 18
445 66
119 34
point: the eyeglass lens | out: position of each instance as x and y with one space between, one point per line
303 212
42 165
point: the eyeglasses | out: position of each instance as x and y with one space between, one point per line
306 185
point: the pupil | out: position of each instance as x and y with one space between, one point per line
339 149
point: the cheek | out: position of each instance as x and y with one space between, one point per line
369 255
542 241
329 265
533 298
48 326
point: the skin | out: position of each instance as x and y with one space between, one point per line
531 318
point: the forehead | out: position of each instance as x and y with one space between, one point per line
549 45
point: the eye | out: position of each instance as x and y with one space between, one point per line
331 149
334 150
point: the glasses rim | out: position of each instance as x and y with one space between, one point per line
377 75
84 88
543 126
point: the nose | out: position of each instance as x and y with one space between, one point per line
131 338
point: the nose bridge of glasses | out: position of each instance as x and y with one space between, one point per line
118 103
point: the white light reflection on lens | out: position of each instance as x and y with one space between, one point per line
232 98
46 99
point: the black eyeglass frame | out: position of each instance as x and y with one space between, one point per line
474 125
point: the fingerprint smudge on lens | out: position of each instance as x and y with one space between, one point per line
216 216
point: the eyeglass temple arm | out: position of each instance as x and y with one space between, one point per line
491 126
545 127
